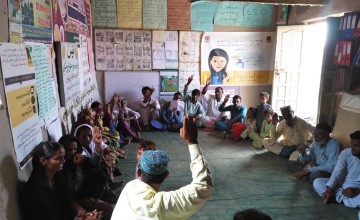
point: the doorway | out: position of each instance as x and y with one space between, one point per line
298 65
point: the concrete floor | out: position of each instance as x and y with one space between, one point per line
243 178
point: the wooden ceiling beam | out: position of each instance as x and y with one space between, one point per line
290 2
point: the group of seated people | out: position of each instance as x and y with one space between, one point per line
74 177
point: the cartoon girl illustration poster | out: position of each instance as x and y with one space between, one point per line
218 61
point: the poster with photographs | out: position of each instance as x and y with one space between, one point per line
119 50
168 82
165 50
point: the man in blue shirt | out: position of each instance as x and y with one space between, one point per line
344 182
237 110
322 156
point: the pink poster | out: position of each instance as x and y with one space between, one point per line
70 18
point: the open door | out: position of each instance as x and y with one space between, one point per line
298 62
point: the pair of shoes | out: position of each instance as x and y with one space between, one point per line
115 185
117 171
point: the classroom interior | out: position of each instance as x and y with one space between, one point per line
243 176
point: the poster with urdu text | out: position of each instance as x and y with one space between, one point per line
21 96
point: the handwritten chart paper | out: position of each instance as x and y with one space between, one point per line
189 46
165 49
249 57
202 15
178 15
185 71
20 88
68 73
243 14
84 67
129 13
45 91
104 13
154 14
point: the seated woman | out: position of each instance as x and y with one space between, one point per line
97 152
128 122
76 169
45 195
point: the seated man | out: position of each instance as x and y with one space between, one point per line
294 131
149 107
344 183
213 102
141 199
237 110
321 158
192 106
170 119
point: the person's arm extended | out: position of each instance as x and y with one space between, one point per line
184 202
222 107
208 81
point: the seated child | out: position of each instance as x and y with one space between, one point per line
264 131
249 122
263 97
128 123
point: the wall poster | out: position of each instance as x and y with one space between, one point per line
21 96
237 58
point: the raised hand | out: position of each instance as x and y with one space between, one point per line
152 90
189 131
97 137
226 99
208 81
190 79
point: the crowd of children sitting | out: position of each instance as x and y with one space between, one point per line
75 177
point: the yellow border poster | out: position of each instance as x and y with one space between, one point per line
237 58
20 89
